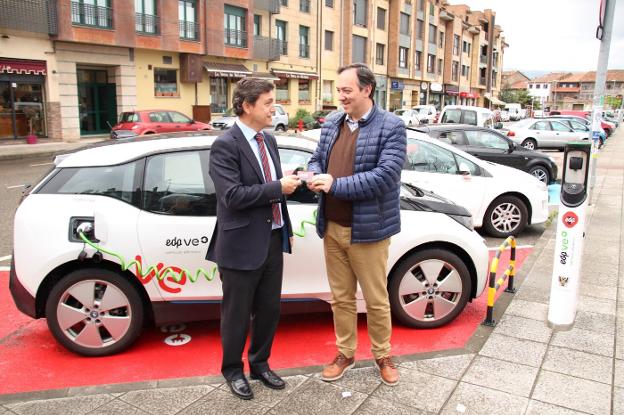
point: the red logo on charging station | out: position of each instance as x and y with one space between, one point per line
570 219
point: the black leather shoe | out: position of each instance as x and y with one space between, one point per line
240 388
270 379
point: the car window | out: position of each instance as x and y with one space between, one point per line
279 111
118 182
159 116
177 117
541 125
577 126
489 121
453 137
452 116
427 157
129 117
470 117
557 126
293 160
178 184
485 139
474 169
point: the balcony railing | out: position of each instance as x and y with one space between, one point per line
31 16
482 80
147 23
90 15
265 49
304 50
483 59
271 6
236 38
282 47
189 30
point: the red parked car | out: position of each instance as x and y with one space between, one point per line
154 122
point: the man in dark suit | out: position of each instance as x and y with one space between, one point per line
253 229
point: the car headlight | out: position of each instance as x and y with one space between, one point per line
465 221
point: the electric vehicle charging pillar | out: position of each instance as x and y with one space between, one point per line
568 255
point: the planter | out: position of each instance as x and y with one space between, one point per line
31 139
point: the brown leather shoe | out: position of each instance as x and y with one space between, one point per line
388 371
336 369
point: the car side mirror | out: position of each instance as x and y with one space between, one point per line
498 125
464 170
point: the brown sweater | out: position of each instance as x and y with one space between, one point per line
340 164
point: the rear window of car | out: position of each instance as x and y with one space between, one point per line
129 117
452 116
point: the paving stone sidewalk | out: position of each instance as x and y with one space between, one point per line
519 367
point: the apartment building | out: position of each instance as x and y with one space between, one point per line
514 80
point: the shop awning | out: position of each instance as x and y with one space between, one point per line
226 70
295 75
265 75
24 67
493 100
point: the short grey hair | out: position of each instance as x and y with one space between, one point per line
249 90
365 76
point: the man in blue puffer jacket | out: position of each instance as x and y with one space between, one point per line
359 160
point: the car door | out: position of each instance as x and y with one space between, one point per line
563 133
181 122
175 226
436 168
160 122
493 147
542 133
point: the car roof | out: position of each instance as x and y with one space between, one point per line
466 107
121 151
449 127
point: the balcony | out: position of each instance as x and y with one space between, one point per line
235 38
567 89
30 16
90 15
483 59
271 6
189 30
282 47
265 49
147 24
482 80
475 30
304 51
446 16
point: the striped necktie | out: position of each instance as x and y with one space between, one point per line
277 217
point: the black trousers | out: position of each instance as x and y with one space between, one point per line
251 297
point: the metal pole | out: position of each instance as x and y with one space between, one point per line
599 86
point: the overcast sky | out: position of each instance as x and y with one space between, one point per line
553 35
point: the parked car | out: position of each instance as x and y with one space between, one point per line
505 117
491 145
426 113
465 114
409 117
319 118
122 232
578 124
514 111
154 122
606 126
280 119
534 133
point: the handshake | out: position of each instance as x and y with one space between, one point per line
314 181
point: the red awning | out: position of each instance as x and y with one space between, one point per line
463 94
24 67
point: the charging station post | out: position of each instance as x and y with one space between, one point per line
570 236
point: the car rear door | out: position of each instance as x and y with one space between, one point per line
490 146
542 133
181 122
160 122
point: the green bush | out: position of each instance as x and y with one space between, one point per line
303 114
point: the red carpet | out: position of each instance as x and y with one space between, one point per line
31 360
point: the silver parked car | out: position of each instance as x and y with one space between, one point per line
532 133
280 119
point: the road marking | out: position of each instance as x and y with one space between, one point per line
41 164
495 248
16 186
5 258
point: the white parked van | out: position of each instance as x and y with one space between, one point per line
465 114
515 111
426 113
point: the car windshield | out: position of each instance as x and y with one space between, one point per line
129 117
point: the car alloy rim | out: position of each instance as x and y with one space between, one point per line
506 217
529 145
430 290
540 174
94 313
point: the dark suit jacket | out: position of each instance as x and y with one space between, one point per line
244 214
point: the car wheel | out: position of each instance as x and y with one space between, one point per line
540 173
530 144
506 216
280 128
94 312
429 288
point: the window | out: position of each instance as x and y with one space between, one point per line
469 117
284 3
92 13
432 34
165 82
187 13
455 45
359 12
418 61
234 26
472 168
329 3
304 90
404 24
359 49
541 125
329 40
179 118
403 54
420 29
304 42
218 95
281 90
117 182
304 6
280 27
145 15
431 9
464 46
455 71
257 30
380 52
441 40
431 63
464 70
453 137
175 185
440 66
486 139
427 157
557 126
538 86
381 18
328 92
421 5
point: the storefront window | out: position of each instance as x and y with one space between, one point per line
22 103
304 90
218 95
328 92
281 90
165 82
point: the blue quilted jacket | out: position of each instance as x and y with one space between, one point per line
374 186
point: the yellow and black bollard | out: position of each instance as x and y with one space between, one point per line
494 285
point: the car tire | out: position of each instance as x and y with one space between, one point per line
530 144
497 222
280 128
541 173
106 319
428 306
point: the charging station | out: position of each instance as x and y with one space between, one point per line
570 236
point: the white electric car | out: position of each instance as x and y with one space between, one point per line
114 238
